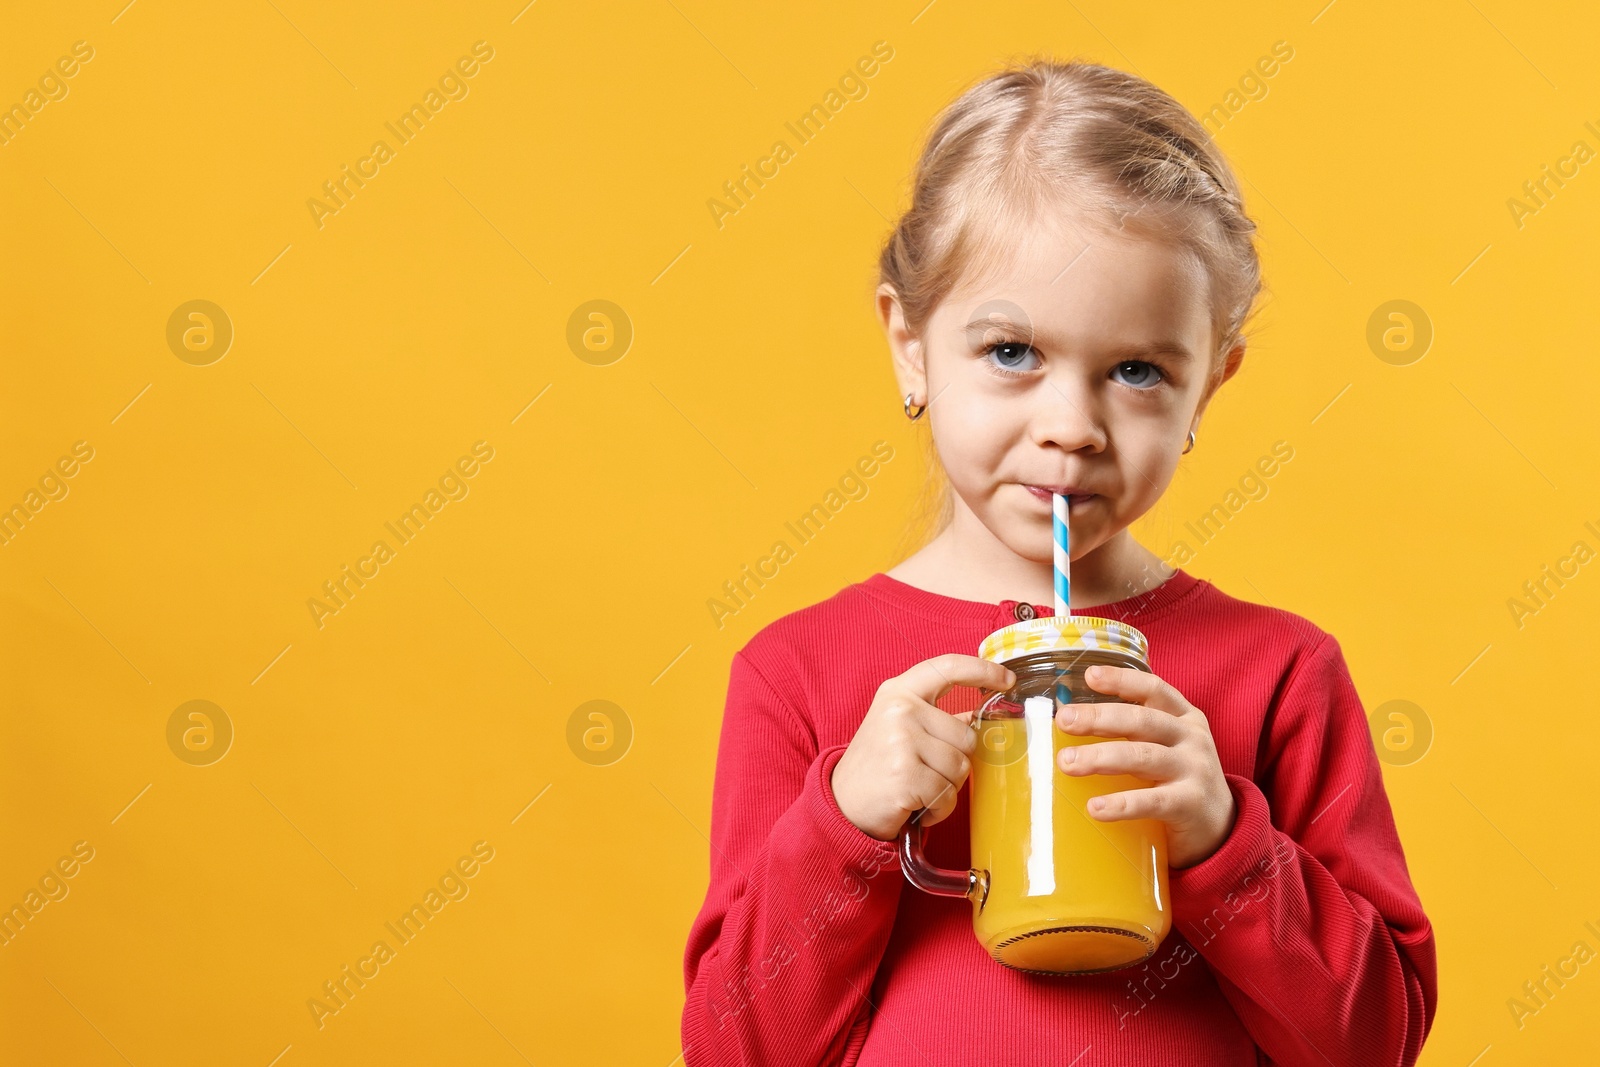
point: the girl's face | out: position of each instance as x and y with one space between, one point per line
1081 363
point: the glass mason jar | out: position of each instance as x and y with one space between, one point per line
1053 890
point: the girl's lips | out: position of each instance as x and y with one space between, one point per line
1073 499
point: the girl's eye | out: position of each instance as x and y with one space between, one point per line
1011 357
1142 375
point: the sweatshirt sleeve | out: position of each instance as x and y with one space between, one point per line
783 952
1306 914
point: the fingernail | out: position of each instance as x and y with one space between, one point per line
1097 804
1095 674
1067 716
1069 754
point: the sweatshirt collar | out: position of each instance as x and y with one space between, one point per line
1133 610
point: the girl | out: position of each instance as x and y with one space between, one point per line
1062 300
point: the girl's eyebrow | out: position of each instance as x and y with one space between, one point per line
1156 348
978 327
994 322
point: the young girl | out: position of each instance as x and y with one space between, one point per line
1062 300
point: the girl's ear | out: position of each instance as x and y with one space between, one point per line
1230 366
910 369
1235 357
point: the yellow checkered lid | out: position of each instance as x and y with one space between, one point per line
1074 633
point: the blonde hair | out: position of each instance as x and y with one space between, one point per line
1032 138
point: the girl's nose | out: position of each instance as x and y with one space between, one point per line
1065 415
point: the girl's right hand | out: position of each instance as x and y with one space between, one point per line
909 754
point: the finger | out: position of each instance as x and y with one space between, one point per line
936 796
1155 802
1153 763
932 678
1133 686
1119 720
953 730
950 763
935 816
942 809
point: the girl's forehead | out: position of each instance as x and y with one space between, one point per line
1077 269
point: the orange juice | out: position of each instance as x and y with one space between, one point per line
1067 893
1053 889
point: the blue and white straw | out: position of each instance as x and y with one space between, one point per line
1063 544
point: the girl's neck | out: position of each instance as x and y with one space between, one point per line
968 562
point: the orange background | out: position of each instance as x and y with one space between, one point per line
436 708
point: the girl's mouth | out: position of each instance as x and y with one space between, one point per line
1074 500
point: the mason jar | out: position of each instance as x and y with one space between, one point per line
1053 890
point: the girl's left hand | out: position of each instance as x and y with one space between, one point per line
1168 743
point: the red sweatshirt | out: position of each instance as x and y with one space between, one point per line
1300 941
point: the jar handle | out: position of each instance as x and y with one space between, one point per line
972 883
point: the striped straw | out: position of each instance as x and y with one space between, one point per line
1063 543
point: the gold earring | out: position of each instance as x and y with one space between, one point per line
1190 446
920 409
